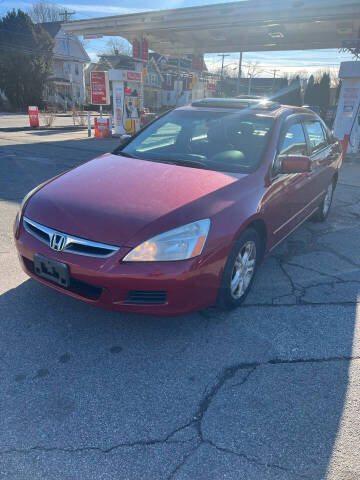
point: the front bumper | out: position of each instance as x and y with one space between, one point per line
188 285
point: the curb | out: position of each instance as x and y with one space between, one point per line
31 129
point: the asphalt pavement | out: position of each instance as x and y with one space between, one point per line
268 391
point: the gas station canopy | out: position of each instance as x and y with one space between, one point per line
250 25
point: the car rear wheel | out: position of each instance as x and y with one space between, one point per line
324 208
240 270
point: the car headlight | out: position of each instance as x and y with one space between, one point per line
179 244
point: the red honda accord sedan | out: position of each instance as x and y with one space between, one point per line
181 215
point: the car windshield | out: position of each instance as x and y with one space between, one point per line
223 141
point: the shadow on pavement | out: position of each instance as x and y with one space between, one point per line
256 391
23 166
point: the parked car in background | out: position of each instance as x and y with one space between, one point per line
180 216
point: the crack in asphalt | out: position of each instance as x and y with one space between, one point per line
256 461
138 443
204 405
298 291
294 288
183 461
313 270
342 257
304 303
229 373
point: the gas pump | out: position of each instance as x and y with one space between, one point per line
127 88
347 120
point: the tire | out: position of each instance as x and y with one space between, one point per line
324 209
248 242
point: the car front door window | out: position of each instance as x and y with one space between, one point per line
293 143
316 134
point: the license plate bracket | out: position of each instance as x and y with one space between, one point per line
52 270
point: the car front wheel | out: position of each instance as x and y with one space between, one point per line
240 270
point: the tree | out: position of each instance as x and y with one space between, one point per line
309 91
324 92
116 45
338 90
253 69
318 91
26 52
282 90
42 12
293 95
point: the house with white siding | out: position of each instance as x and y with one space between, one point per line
66 85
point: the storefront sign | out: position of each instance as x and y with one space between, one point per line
350 97
211 86
99 82
134 76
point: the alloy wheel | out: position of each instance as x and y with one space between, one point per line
328 199
243 270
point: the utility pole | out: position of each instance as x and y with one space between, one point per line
239 74
273 84
178 82
66 14
223 55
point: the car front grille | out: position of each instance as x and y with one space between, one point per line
68 243
152 297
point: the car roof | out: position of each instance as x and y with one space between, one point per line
266 107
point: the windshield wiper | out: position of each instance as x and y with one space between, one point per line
190 163
125 154
183 163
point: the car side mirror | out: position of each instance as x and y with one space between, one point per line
295 164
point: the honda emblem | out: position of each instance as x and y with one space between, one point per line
58 242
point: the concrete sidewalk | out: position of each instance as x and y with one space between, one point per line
20 121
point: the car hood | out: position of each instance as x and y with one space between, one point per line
112 198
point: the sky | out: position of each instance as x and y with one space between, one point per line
284 62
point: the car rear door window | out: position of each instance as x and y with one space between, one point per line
316 135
